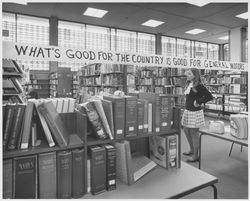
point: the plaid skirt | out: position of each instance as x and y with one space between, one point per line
193 119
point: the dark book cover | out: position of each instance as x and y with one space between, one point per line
7 179
16 127
157 114
25 177
78 173
130 116
98 169
150 97
111 167
166 109
3 115
145 126
9 116
64 174
119 115
27 124
47 175
140 116
55 123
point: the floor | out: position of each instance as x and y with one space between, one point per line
232 171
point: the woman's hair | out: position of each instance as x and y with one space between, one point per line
196 80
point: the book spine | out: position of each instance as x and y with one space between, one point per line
25 172
8 122
111 168
131 116
145 125
78 174
157 114
7 179
64 174
128 159
88 176
165 109
98 170
150 118
47 175
140 116
172 151
16 127
119 119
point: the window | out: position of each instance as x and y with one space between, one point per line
183 48
168 46
126 41
226 52
213 52
146 43
200 50
9 27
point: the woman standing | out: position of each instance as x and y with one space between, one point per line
193 116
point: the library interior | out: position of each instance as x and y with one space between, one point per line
125 100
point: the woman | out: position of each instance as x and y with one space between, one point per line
193 117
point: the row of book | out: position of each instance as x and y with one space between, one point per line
93 69
118 117
46 175
12 86
224 80
21 123
11 66
148 81
112 79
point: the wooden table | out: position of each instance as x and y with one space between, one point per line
161 183
226 136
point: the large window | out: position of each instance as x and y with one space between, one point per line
213 51
146 43
9 27
168 46
125 41
200 50
183 48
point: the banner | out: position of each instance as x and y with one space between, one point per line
63 54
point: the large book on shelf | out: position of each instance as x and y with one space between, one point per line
140 115
25 177
97 169
118 104
108 109
164 150
47 175
7 123
78 173
64 174
130 116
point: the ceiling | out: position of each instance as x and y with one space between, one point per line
216 18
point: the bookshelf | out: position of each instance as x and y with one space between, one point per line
12 89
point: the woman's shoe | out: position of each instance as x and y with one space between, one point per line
187 153
192 160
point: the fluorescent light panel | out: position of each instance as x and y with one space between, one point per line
195 31
93 12
152 23
224 38
243 15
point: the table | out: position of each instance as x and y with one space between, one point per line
161 183
226 136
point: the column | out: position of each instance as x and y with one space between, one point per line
158 46
53 40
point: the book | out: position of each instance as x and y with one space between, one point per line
27 124
71 105
65 107
157 114
59 106
166 110
95 120
164 150
140 115
44 124
88 176
118 104
16 126
78 173
107 107
110 167
47 175
17 84
64 174
25 177
7 179
150 118
10 109
145 125
55 123
130 116
100 110
98 169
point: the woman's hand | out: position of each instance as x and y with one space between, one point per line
196 104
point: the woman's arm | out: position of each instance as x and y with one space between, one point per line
205 95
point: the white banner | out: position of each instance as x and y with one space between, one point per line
62 54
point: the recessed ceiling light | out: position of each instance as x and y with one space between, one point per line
93 12
152 23
243 15
224 38
195 31
199 2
